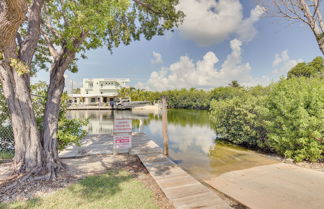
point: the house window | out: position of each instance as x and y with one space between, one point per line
87 92
91 85
93 99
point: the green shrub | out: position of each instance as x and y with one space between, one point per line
295 118
239 120
286 118
228 92
69 130
313 69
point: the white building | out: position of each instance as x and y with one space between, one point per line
98 91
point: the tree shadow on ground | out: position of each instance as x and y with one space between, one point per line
103 186
29 204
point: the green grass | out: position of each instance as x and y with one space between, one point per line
112 190
6 155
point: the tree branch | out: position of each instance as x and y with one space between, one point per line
19 40
66 20
53 51
29 45
145 5
308 15
316 6
54 32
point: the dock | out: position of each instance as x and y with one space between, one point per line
180 188
97 108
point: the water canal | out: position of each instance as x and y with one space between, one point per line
192 143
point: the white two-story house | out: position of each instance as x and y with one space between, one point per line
98 91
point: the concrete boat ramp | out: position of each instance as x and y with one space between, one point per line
180 188
273 186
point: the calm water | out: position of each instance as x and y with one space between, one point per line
192 141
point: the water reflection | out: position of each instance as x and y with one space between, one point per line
101 121
191 139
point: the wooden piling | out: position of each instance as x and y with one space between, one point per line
165 125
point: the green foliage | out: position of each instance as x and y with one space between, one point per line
235 84
240 120
4 155
286 118
77 26
188 99
76 91
222 93
312 69
4 112
139 94
39 95
69 130
183 98
295 119
6 134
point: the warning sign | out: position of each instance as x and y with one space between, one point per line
122 126
122 135
123 141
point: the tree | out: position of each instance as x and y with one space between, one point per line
295 118
76 91
72 27
234 84
304 11
16 55
68 27
312 69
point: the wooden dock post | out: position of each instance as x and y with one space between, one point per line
165 126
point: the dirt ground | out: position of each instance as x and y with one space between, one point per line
79 168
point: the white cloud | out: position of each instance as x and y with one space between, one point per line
246 31
157 58
283 63
202 74
209 21
186 73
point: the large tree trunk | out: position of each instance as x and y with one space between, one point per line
28 149
315 23
52 111
28 153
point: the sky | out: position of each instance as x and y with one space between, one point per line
219 41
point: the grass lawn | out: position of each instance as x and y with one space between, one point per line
116 189
6 155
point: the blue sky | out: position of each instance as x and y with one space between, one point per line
209 50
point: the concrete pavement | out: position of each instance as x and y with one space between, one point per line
273 186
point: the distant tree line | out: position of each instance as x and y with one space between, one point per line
185 98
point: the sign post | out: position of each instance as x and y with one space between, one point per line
122 135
